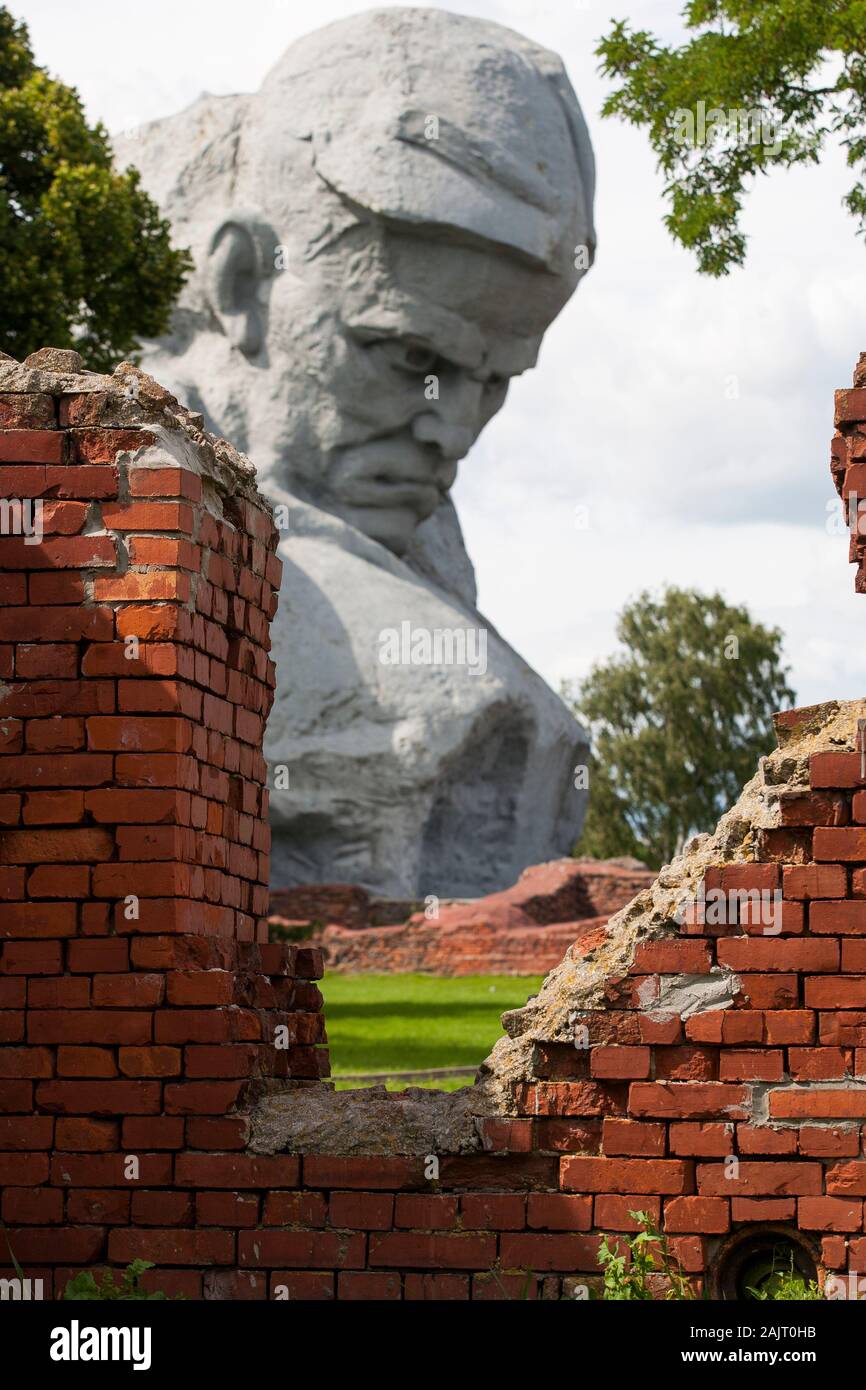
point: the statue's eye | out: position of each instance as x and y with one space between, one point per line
420 359
408 357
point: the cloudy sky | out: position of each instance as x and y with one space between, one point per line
690 417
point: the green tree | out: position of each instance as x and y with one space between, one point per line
677 721
792 73
86 261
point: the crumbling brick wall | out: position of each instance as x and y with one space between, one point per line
703 1057
139 997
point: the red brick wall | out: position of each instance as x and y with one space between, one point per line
138 995
153 1039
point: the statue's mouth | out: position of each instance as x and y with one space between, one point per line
386 490
392 472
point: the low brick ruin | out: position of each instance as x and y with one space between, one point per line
523 930
162 1080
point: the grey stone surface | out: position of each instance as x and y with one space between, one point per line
382 235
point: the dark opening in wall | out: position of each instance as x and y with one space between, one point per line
751 1259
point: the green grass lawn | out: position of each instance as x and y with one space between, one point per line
379 1023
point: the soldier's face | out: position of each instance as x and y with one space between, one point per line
388 388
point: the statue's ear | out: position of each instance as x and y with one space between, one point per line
240 257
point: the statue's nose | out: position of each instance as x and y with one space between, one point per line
452 438
452 422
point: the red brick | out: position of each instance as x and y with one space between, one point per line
834 770
701 1215
85 1136
771 1179
583 1174
818 1063
140 734
31 446
755 953
191 987
38 920
86 1061
289 1284
672 958
99 1098
816 1104
165 1209
683 1100
164 482
47 589
56 660
763 1209
108 1169
437 1288
686 1064
809 881
152 1132
149 1061
418 1212
835 991
98 956
632 1138
760 1139
713 1140
230 1132
33 1206
295 1209
789 1026
59 881
201 1097
829 1214
557 1212
368 1286
32 958
25 1132
151 586
310 1249
842 1029
127 991
846 845
98 1206
53 808
390 1174
26 1062
735 878
363 1211
540 1253
816 1142
838 918
490 1211
100 446
87 1026
617 1212
620 1063
171 1247
148 516
754 1065
847 1179
142 806
27 410
770 991
437 1250
237 1170
79 1245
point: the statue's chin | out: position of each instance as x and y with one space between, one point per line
394 528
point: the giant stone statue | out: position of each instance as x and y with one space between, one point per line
382 234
